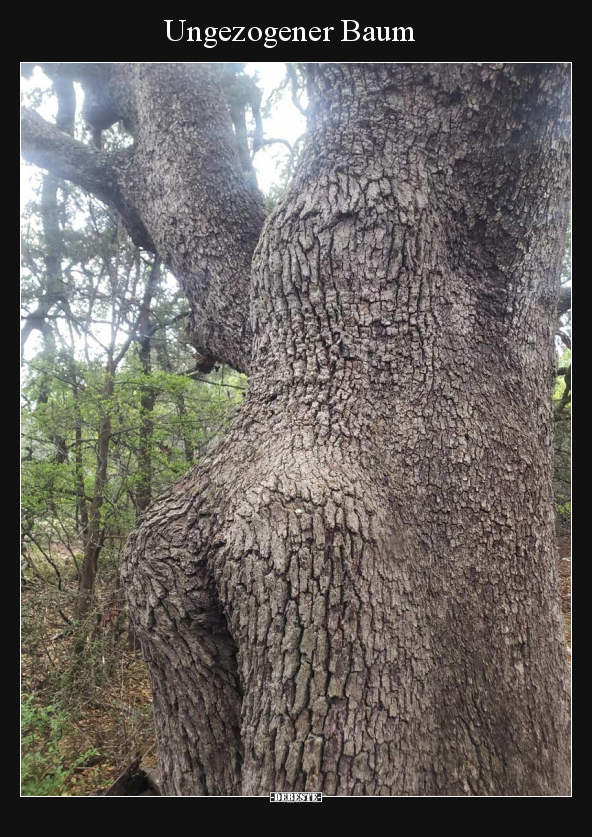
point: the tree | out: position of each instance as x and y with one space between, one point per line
95 415
354 591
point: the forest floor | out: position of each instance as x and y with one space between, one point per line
86 716
100 702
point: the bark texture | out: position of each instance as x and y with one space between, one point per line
355 591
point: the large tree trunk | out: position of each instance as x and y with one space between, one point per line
355 591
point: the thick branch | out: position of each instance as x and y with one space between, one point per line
49 148
190 190
98 172
180 188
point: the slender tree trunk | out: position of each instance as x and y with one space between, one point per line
355 591
54 291
93 542
147 398
147 402
81 503
179 398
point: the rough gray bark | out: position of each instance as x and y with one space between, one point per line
179 188
355 592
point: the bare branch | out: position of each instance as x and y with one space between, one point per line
292 75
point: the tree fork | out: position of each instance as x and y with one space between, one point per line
179 188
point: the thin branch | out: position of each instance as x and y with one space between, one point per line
159 326
295 84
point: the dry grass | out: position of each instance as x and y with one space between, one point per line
104 691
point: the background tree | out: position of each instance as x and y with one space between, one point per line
97 314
